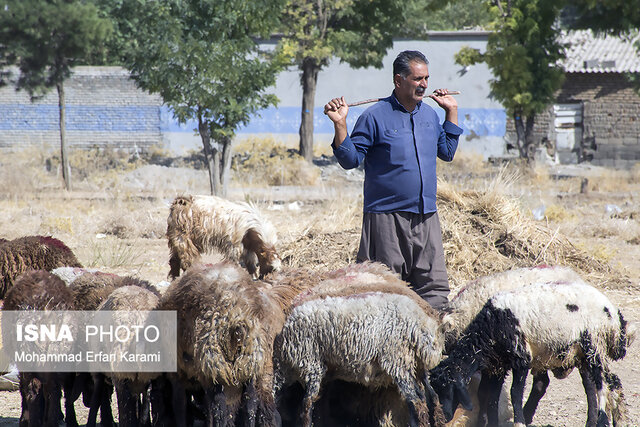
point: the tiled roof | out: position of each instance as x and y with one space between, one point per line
588 53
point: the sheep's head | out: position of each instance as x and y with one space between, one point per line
451 394
269 260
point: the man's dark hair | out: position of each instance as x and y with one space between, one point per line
401 63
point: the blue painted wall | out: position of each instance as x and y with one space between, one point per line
105 107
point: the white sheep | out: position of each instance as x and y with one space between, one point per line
541 327
199 224
373 336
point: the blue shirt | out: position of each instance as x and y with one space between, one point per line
399 151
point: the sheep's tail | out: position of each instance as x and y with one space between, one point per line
623 339
616 404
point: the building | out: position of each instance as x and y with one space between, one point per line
596 117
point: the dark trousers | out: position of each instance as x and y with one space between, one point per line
411 245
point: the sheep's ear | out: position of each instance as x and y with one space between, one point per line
462 394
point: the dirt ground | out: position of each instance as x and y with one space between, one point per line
116 222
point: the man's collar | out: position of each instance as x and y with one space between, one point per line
397 104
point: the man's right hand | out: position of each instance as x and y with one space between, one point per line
337 110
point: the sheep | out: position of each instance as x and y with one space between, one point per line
131 385
542 326
89 290
41 391
377 335
228 323
32 252
461 310
199 224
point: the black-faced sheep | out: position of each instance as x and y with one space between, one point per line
468 302
227 325
364 330
32 253
539 327
41 391
199 224
132 388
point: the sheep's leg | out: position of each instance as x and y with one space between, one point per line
160 389
71 394
179 403
312 381
517 391
106 416
126 404
494 388
249 404
52 394
96 399
412 393
216 406
145 408
538 389
592 397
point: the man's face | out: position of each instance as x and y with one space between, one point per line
412 88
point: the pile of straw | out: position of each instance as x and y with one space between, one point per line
484 232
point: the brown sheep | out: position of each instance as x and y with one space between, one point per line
199 224
32 253
89 290
41 391
227 325
131 387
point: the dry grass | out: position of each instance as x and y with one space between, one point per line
485 213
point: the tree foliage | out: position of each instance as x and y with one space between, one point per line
523 53
449 15
45 39
202 58
358 32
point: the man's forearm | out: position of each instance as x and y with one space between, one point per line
340 132
452 115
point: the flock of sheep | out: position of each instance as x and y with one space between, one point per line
273 345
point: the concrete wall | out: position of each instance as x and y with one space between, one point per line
105 108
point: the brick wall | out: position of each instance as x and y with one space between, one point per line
611 116
103 107
610 122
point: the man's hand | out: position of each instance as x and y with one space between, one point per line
448 103
337 110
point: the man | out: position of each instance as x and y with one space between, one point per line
399 138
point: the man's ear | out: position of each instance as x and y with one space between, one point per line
462 394
397 78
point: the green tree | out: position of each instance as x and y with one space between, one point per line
45 39
523 53
358 32
203 59
448 15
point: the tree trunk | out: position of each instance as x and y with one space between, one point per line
226 164
309 78
528 138
520 134
64 158
212 157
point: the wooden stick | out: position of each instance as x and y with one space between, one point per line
368 101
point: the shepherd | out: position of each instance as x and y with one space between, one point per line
398 139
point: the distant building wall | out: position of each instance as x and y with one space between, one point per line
609 131
105 108
611 117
